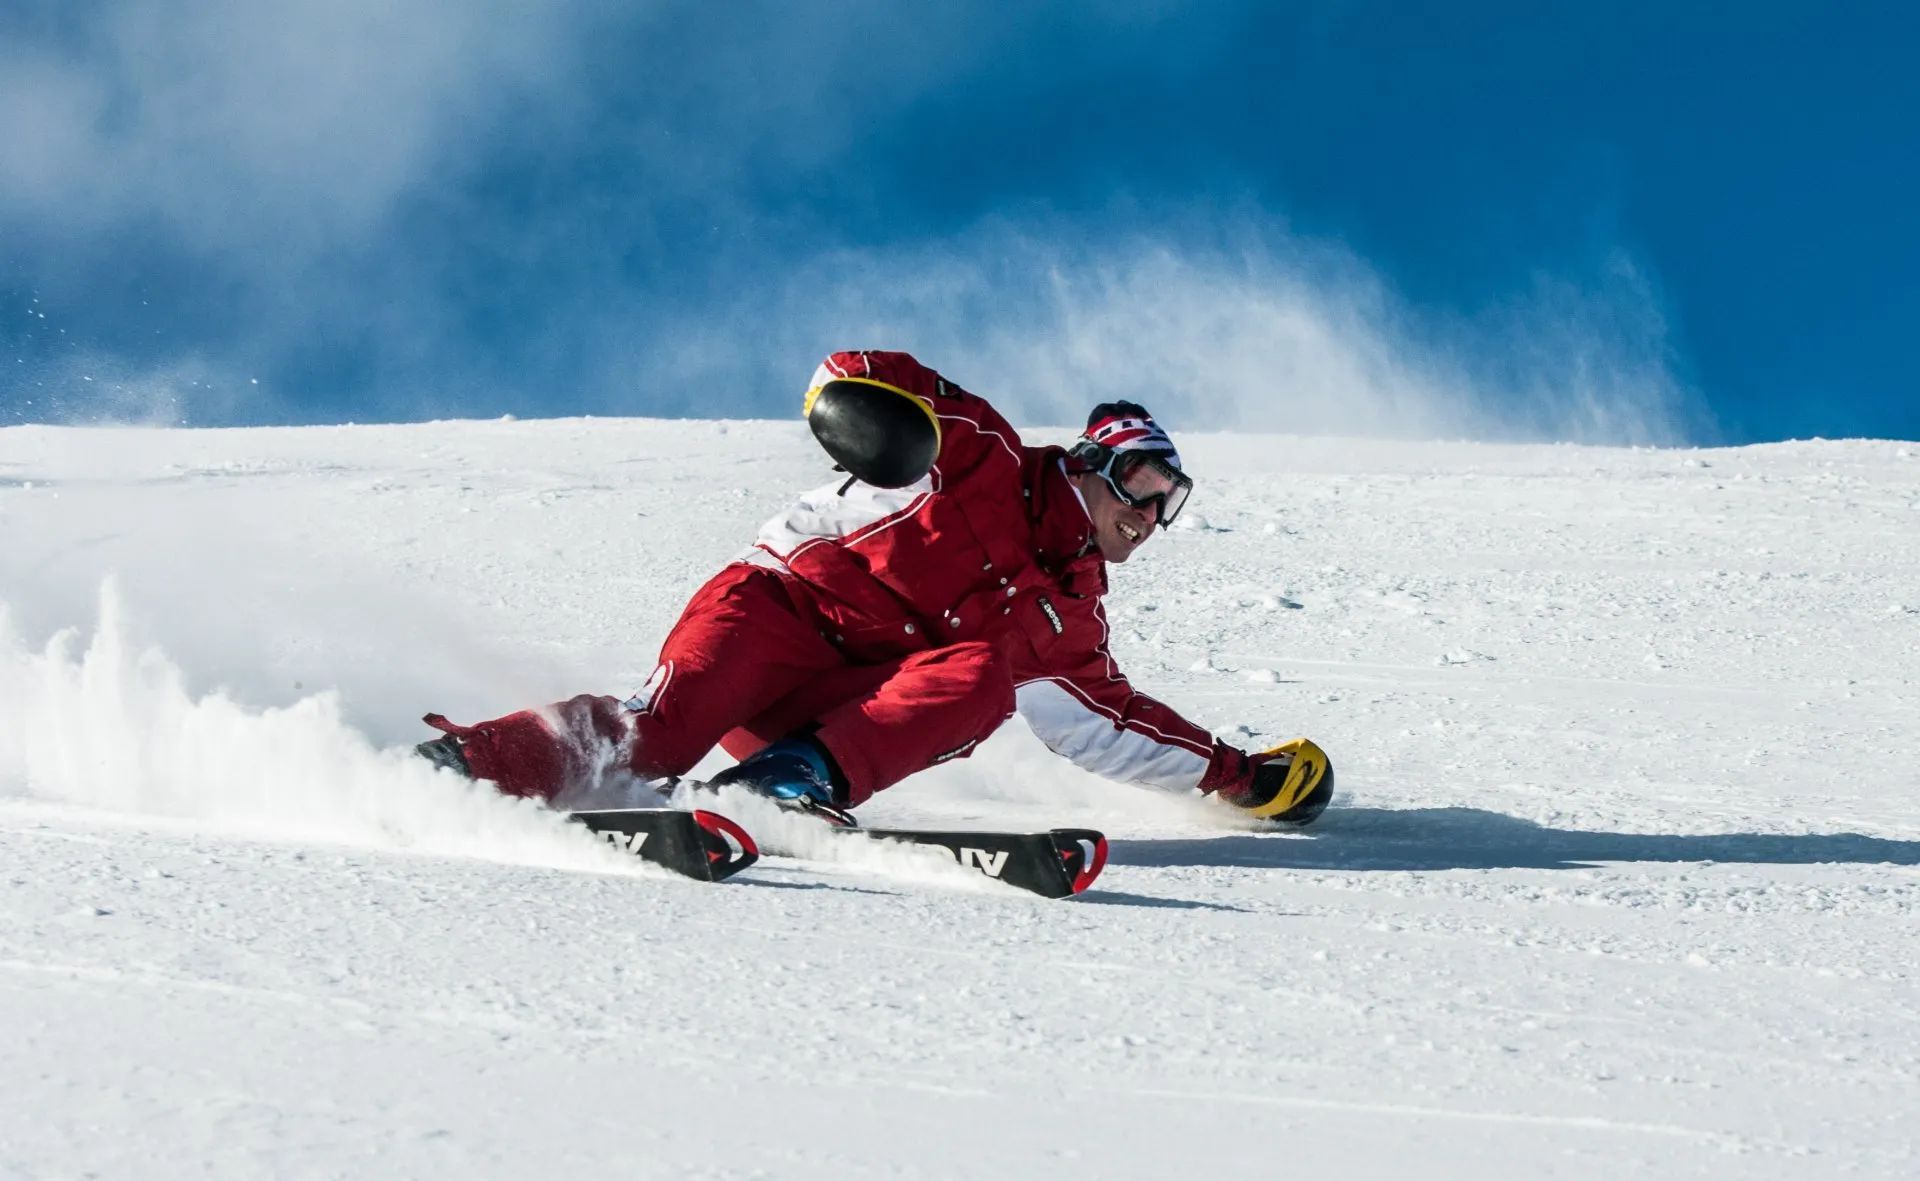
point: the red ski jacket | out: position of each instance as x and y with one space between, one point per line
993 544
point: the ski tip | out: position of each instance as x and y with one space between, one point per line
1090 869
729 848
1083 854
698 844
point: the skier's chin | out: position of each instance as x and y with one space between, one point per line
1118 548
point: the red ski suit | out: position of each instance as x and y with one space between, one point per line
903 624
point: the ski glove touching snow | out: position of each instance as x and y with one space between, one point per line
537 753
1291 783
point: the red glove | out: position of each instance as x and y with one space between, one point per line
524 754
1231 773
1291 783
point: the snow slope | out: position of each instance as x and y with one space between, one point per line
1624 878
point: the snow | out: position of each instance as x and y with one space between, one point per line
1623 878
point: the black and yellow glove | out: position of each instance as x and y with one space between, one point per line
1290 784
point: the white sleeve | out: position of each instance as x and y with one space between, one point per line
1074 725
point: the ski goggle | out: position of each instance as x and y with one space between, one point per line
1142 478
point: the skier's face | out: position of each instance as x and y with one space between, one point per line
1118 527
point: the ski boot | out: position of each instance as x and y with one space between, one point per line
796 773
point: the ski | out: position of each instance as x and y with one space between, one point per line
1058 863
698 844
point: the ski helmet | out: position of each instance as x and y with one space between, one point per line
1127 449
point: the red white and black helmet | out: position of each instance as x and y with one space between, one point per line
1135 457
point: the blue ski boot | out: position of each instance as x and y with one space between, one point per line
796 773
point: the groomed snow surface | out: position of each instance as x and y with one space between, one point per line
1623 879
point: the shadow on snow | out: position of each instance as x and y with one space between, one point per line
1099 897
1472 838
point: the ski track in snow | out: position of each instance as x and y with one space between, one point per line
1623 878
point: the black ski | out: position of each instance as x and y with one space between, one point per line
1058 863
698 844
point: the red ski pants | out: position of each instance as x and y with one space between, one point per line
745 666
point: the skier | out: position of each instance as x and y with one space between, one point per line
891 621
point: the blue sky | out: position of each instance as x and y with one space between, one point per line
1615 222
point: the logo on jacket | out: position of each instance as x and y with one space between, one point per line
956 752
1053 616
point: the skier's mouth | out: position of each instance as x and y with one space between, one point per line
1129 532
